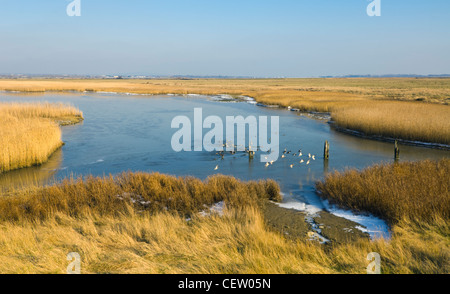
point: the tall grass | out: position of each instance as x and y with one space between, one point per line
164 243
29 132
400 120
430 90
115 230
109 196
37 176
55 111
395 192
362 104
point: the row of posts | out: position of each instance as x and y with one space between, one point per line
326 151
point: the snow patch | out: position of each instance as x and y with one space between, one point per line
375 227
217 209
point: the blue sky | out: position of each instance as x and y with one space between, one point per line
292 38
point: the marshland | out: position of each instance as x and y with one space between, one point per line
116 193
362 104
30 133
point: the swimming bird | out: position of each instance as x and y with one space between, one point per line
283 156
301 161
267 164
217 167
308 162
309 155
313 157
291 165
300 154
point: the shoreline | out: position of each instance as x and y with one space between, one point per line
246 98
225 97
55 123
388 139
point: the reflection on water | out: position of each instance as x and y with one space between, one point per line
32 176
122 133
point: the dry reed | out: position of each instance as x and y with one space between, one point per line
399 120
358 98
113 234
29 132
109 196
410 190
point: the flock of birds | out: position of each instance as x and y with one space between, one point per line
285 154
299 154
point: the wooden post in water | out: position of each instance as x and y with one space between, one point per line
325 166
326 150
396 151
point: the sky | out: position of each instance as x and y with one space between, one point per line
256 38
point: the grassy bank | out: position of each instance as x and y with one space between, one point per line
30 133
413 197
398 120
138 223
133 192
315 90
415 191
359 104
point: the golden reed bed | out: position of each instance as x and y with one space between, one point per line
403 108
417 191
150 223
413 121
30 132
